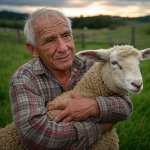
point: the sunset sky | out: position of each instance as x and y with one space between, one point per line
124 8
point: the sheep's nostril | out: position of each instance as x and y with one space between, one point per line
137 85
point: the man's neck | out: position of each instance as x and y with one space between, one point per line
63 77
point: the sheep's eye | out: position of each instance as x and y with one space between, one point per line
116 64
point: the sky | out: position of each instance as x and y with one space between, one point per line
76 8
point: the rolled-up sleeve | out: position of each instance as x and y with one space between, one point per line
37 132
114 108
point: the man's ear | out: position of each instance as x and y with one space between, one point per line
32 50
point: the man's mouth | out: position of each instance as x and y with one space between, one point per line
63 57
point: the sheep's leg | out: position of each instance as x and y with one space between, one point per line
9 139
109 141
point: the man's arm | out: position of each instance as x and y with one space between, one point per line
105 109
114 108
34 128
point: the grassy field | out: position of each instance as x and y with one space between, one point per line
134 134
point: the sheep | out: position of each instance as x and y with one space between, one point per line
115 72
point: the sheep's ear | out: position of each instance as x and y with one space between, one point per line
145 53
94 55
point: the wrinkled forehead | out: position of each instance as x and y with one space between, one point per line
49 21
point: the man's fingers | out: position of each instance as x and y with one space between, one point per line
54 106
68 119
61 116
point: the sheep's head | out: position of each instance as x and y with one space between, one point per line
124 64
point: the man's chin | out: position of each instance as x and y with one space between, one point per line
64 66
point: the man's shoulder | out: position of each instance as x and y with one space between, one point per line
29 69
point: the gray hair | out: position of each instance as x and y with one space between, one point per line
28 28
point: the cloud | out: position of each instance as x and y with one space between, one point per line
34 2
130 8
73 4
52 3
125 3
69 3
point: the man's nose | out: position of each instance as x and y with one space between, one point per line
62 46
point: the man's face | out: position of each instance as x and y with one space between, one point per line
55 44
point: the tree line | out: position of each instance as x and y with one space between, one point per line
16 20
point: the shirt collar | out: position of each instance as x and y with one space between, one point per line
38 67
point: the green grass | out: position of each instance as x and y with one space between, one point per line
134 133
12 55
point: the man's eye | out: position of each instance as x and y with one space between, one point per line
66 35
50 40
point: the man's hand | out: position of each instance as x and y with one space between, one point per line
78 108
